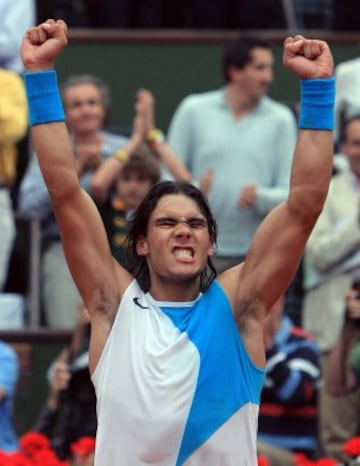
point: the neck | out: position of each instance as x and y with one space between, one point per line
168 290
239 102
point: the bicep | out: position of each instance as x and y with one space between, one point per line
274 256
86 248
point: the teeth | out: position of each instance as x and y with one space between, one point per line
182 253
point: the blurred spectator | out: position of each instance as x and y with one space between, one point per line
136 177
13 126
343 375
86 102
347 103
244 139
15 18
333 265
288 405
70 409
9 373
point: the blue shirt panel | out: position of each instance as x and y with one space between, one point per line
224 363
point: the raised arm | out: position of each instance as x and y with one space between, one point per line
99 280
278 245
145 108
108 172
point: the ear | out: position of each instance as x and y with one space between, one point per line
142 248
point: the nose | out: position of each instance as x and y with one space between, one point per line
183 229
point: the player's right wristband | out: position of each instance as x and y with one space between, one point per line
317 104
43 97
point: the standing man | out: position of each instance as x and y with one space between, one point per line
146 324
244 139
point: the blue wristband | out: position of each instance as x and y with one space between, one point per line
317 104
43 97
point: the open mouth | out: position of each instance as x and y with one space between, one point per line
183 253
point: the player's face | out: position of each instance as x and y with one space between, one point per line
351 146
177 243
255 78
85 112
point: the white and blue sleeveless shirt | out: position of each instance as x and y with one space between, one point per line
175 385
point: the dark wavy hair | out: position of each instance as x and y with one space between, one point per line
138 227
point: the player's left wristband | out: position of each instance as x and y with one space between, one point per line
43 97
317 104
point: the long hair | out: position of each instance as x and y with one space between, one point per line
139 225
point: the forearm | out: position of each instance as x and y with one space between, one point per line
311 172
34 201
172 162
49 133
106 175
56 160
313 159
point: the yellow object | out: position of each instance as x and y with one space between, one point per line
121 155
155 137
13 123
